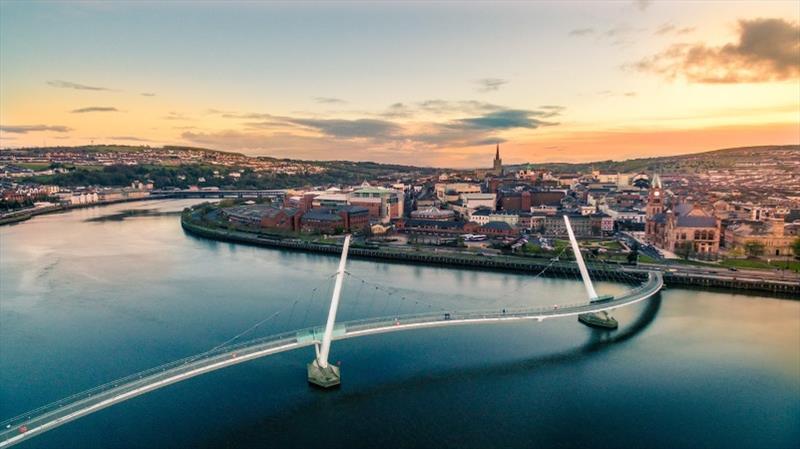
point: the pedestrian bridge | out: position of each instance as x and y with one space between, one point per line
79 405
50 416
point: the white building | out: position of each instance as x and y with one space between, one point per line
477 200
450 192
485 216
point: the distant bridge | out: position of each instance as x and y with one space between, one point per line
320 372
221 193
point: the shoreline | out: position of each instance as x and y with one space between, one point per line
502 264
25 215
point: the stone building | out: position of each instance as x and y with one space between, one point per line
775 237
681 227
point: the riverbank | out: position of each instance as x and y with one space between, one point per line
27 214
497 263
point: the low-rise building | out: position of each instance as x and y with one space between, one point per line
435 227
484 216
249 215
432 213
596 225
450 192
383 204
281 218
322 220
771 235
334 220
469 202
496 228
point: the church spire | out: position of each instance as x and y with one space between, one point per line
497 167
656 184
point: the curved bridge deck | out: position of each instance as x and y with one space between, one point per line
50 416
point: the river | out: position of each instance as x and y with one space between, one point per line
94 294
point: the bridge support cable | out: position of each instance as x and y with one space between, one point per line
598 319
54 414
394 292
553 261
320 372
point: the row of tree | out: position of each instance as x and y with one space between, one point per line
752 248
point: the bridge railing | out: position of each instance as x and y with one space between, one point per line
64 407
452 315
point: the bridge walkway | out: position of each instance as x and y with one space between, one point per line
50 416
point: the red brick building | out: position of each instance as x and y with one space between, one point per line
496 228
356 218
335 220
284 219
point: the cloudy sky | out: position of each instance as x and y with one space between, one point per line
425 84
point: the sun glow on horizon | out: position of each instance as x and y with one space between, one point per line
413 84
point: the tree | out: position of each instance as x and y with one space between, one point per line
633 256
796 248
754 248
737 251
684 249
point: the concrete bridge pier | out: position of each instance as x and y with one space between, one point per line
327 377
602 320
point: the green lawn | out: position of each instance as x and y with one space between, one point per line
647 259
611 245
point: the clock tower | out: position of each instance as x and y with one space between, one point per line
655 200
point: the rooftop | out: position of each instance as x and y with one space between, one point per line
498 225
435 223
691 221
321 214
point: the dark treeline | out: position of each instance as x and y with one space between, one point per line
184 176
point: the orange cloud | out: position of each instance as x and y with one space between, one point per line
768 50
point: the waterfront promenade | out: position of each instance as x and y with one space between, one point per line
673 275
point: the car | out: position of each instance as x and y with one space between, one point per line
554 259
733 269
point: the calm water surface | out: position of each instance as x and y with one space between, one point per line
95 294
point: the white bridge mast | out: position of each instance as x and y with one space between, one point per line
587 281
320 372
325 350
599 319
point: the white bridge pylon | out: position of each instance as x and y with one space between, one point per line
320 372
587 281
599 319
323 374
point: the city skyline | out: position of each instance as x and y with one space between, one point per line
435 85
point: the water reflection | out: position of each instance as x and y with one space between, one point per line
82 303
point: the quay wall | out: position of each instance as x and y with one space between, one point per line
499 263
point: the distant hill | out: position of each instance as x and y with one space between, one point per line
694 162
689 163
118 149
174 166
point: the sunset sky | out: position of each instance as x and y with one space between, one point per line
417 83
